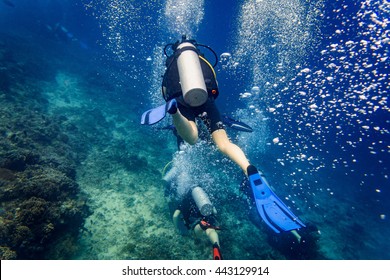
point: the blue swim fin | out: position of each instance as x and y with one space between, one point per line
271 209
155 115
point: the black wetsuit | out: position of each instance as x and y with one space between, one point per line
207 112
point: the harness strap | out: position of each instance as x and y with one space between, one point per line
205 225
178 52
208 63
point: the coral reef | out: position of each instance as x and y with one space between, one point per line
38 192
40 205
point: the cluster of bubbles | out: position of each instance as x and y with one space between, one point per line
342 106
178 17
124 24
134 32
227 62
183 16
157 70
273 35
251 98
333 114
253 143
194 165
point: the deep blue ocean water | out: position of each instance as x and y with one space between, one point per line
320 118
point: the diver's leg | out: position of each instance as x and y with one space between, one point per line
198 231
210 232
214 239
296 235
185 128
213 236
231 150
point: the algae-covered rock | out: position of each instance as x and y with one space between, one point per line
40 202
7 254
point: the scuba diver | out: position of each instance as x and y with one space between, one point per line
195 213
190 88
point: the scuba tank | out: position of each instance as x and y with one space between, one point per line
191 77
202 201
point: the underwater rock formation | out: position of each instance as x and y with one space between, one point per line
39 197
41 211
38 192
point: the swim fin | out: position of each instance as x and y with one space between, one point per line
271 209
237 125
216 252
155 115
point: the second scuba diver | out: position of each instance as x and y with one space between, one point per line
198 216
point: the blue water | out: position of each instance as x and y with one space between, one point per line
320 119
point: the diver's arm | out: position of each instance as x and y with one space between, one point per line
176 218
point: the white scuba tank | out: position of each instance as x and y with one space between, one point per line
191 76
202 201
